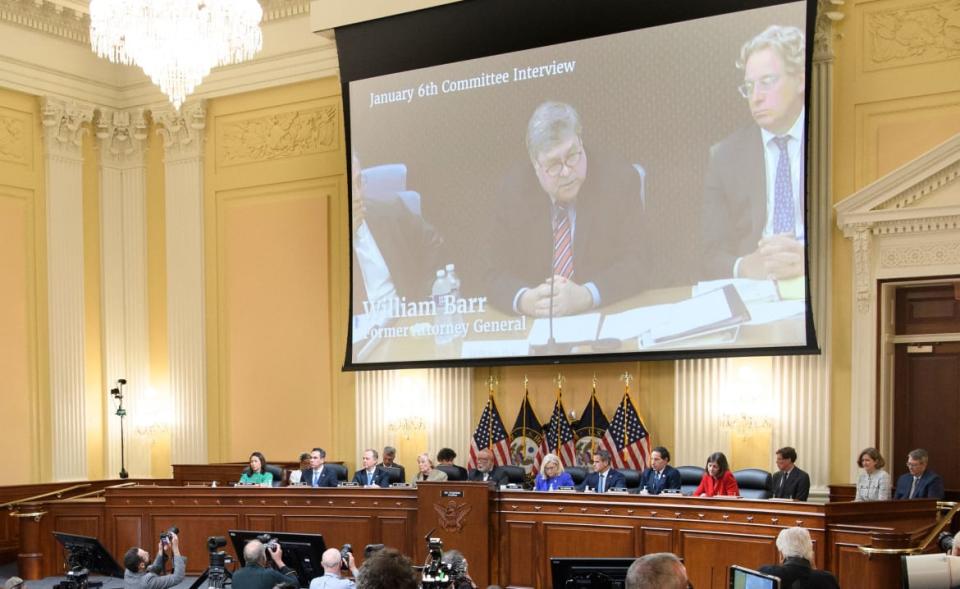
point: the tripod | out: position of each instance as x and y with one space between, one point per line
217 573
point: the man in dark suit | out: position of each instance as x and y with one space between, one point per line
316 475
660 476
559 235
796 563
445 457
753 217
389 454
603 478
486 470
789 482
371 475
920 482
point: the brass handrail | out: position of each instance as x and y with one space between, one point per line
101 491
36 515
943 520
12 504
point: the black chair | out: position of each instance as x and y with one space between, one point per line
690 477
453 473
277 473
754 483
515 474
394 473
339 469
632 476
577 473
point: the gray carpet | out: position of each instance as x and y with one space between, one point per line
10 570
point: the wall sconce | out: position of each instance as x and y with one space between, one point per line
153 413
407 426
408 402
746 401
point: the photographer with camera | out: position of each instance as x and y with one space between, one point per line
256 573
459 577
140 576
332 562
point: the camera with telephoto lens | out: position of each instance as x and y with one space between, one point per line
945 541
165 535
345 553
436 574
77 578
269 543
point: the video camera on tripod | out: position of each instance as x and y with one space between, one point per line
77 578
216 573
436 574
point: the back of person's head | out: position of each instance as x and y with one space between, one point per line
255 552
131 560
660 570
795 542
388 569
457 562
331 560
446 455
13 583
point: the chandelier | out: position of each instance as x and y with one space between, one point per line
176 42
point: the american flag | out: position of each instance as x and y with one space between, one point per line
560 439
490 433
630 450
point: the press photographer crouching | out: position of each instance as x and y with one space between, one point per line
138 575
331 561
257 573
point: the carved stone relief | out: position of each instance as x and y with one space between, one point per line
908 36
64 125
14 140
276 136
182 131
122 134
861 264
926 254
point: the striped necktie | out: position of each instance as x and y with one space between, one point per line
562 243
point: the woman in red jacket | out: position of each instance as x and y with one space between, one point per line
718 480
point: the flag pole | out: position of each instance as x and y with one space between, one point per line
490 382
593 417
626 378
559 381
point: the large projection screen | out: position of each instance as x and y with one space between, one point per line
607 184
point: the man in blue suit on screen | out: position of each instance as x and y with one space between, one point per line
920 482
660 476
603 478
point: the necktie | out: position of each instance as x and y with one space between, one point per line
783 480
603 479
369 478
316 478
485 475
562 243
913 487
784 217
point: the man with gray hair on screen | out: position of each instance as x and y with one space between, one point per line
661 570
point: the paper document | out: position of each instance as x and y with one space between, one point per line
706 313
748 289
761 313
632 323
566 330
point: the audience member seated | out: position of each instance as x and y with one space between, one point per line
389 454
372 474
920 482
796 563
754 483
690 478
660 476
140 576
717 480
257 473
486 471
331 579
296 475
789 482
874 482
317 474
445 458
257 574
660 570
427 471
603 478
388 569
551 475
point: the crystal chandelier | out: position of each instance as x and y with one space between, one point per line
176 42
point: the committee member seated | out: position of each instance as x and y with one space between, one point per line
604 477
552 475
874 482
316 475
920 482
371 475
388 569
426 471
565 230
331 579
140 576
294 477
257 574
389 456
660 570
395 252
717 480
796 563
789 482
446 456
256 473
752 221
486 471
660 476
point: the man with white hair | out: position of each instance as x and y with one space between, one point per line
796 562
331 578
257 574
660 570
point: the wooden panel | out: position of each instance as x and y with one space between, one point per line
337 529
520 550
127 532
396 532
656 540
927 309
562 539
714 552
260 521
